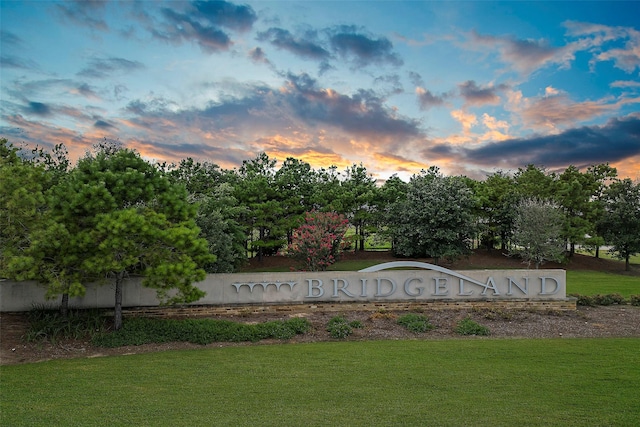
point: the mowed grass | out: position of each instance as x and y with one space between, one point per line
593 283
479 382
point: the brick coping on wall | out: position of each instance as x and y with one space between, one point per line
291 309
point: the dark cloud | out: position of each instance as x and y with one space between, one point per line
258 55
85 90
38 109
345 42
9 41
476 95
306 47
228 15
301 104
524 55
426 99
416 78
101 124
103 67
362 113
617 140
87 13
11 61
203 22
362 49
151 107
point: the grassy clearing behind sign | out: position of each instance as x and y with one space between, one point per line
476 382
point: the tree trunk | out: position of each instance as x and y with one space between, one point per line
597 251
64 306
117 312
626 263
261 248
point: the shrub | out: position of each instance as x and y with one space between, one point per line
599 299
46 323
415 322
634 300
469 327
584 300
316 243
137 331
339 328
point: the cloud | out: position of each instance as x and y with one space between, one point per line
102 124
615 141
362 49
12 61
257 55
626 84
476 95
426 99
305 47
38 109
524 55
84 13
346 42
102 67
9 41
604 42
555 110
467 120
225 14
362 113
204 23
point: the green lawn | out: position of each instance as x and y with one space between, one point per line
592 283
479 382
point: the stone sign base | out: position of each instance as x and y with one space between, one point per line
291 309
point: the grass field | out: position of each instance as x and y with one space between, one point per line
592 283
479 382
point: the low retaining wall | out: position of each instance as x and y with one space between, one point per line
379 286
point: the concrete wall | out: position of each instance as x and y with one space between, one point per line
417 285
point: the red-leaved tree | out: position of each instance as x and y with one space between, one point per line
316 244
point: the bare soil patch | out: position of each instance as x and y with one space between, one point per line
585 322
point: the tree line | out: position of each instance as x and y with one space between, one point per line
114 214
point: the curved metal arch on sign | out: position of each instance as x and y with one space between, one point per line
423 265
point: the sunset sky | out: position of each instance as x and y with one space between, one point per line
470 87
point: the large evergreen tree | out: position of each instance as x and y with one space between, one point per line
124 217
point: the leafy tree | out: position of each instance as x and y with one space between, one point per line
537 233
496 197
125 217
326 196
436 219
44 253
358 198
316 243
257 191
200 179
621 222
602 175
295 183
23 204
217 219
390 197
534 182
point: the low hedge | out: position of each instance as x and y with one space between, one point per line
605 299
141 330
